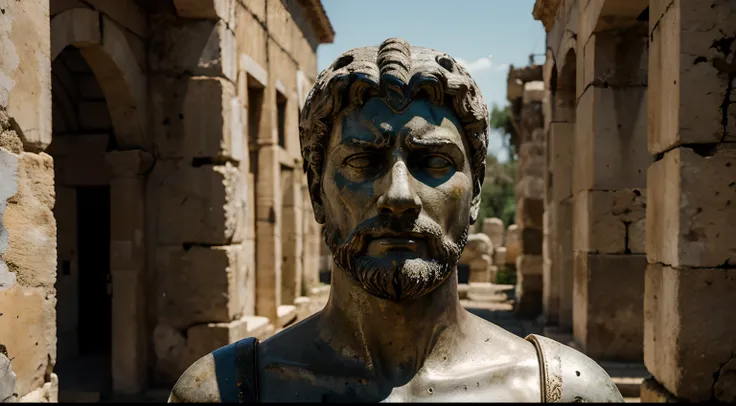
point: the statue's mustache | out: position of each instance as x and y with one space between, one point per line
357 240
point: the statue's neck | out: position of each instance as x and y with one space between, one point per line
394 339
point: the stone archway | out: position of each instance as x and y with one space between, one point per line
112 64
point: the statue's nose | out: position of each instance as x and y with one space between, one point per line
400 198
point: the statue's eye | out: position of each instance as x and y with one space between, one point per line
437 162
359 161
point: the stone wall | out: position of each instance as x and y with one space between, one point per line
639 97
212 236
27 226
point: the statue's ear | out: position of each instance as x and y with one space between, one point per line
474 208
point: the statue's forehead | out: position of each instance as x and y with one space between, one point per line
419 113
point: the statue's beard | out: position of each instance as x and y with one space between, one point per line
393 277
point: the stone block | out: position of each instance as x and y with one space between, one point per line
512 244
653 392
689 80
499 256
28 218
48 393
26 92
200 284
478 245
494 229
530 265
207 10
127 14
194 47
529 213
212 198
689 213
608 323
28 326
250 33
562 136
689 329
529 288
198 117
531 241
531 187
563 255
610 150
617 58
610 222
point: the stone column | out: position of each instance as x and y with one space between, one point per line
529 201
609 194
292 236
204 287
689 295
128 267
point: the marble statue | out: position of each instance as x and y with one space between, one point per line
394 140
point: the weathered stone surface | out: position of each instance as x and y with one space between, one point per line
688 333
195 47
610 222
562 137
30 224
212 198
28 326
531 241
478 245
513 245
653 392
25 70
499 257
494 229
689 213
529 264
617 58
48 393
530 187
201 284
608 321
689 77
198 117
610 152
529 213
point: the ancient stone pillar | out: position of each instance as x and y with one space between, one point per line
512 245
529 190
205 288
689 322
128 267
609 194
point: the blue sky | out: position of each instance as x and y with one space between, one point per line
485 35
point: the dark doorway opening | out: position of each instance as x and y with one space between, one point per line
95 304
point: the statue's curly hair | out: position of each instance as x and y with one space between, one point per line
397 73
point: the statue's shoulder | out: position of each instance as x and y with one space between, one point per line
198 384
570 376
228 374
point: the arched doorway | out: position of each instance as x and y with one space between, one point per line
98 145
82 135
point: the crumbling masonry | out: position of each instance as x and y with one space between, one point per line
640 169
152 201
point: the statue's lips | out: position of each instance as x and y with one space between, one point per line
397 241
